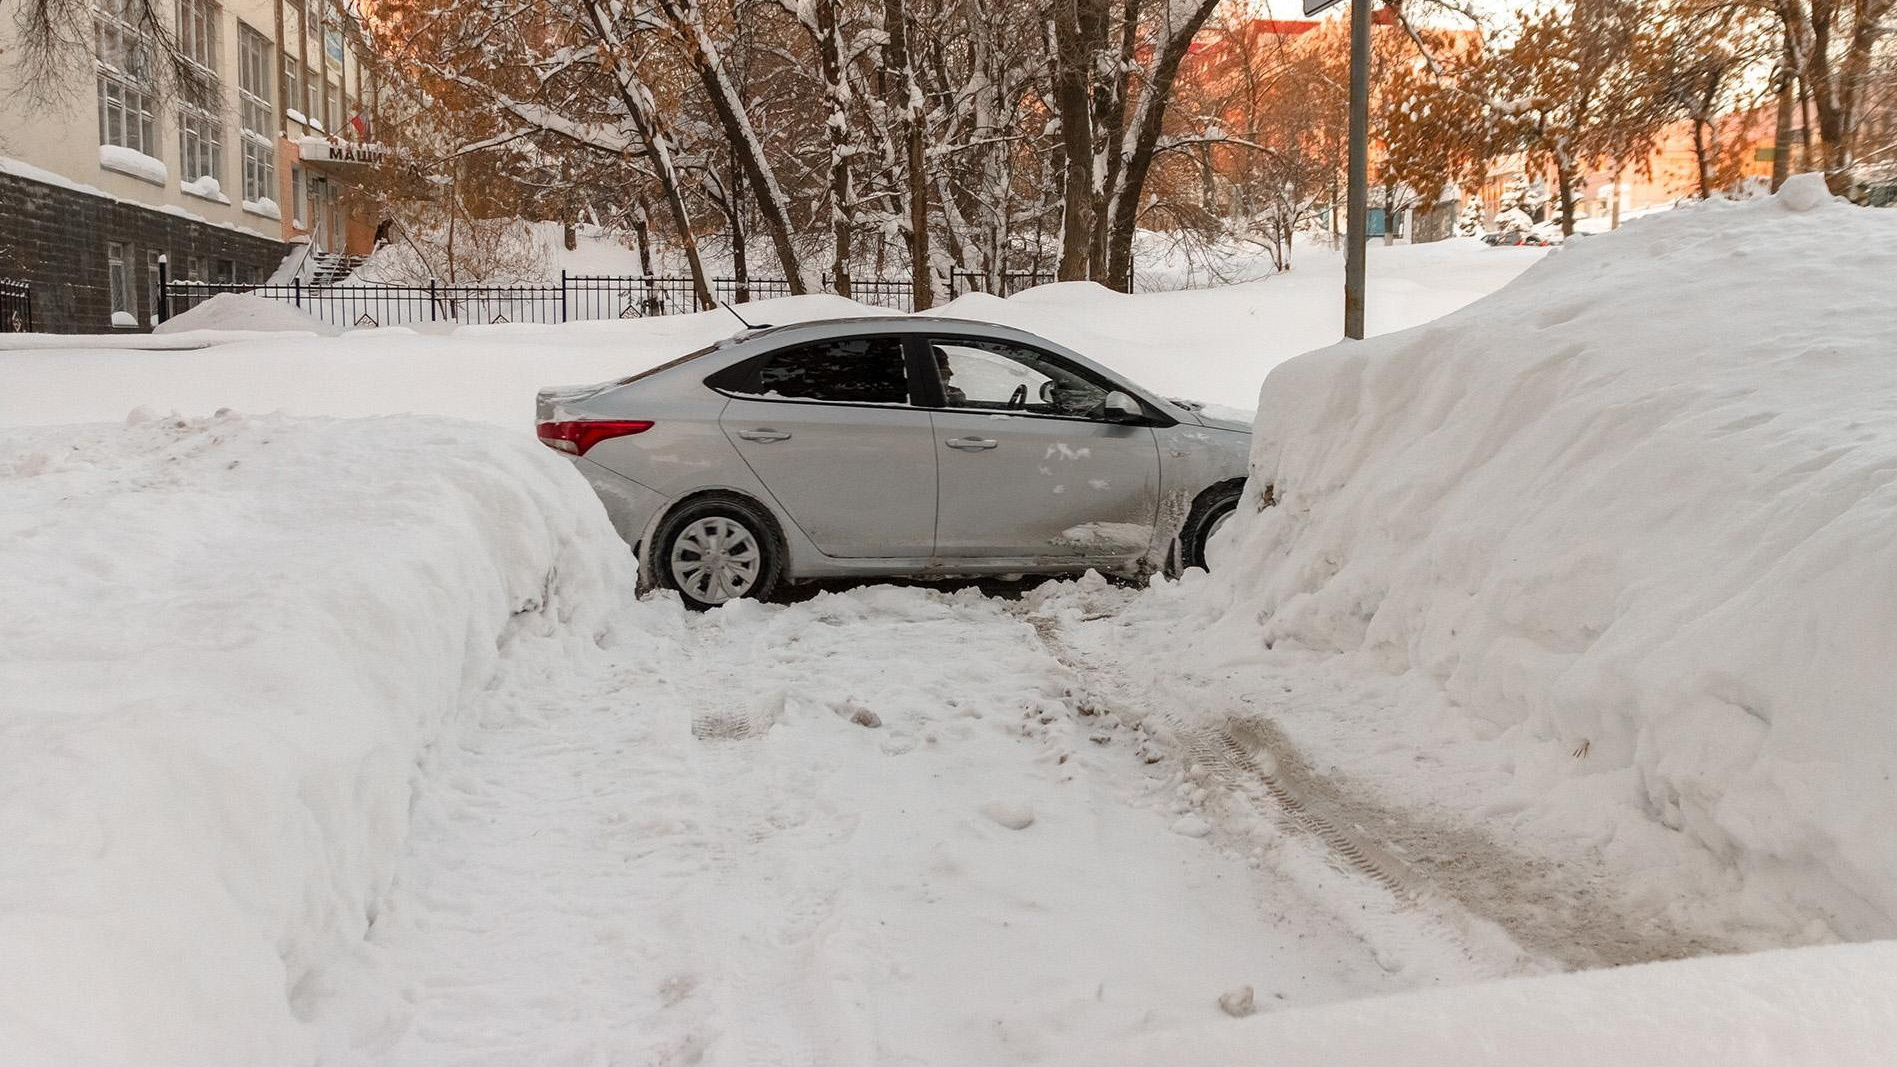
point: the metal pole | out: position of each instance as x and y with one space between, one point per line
563 296
1357 202
164 288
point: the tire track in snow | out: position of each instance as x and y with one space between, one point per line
1496 900
1402 920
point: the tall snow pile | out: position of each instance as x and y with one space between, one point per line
241 311
226 645
1637 507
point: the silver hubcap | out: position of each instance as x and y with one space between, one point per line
716 559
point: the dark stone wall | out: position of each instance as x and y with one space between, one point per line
55 240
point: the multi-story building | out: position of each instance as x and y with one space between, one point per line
227 146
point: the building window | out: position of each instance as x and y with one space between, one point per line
197 33
313 86
254 115
200 120
226 272
124 54
292 84
296 196
333 46
153 292
334 111
200 144
194 268
123 314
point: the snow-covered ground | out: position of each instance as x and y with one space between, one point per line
340 740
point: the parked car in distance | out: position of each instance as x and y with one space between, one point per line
1515 238
900 445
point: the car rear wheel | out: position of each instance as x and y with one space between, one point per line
717 549
1214 508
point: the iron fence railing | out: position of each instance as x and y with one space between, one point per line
576 297
1001 283
897 294
16 306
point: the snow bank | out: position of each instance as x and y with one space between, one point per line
1633 516
1216 345
1828 1005
240 311
226 644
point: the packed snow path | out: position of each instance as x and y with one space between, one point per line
888 827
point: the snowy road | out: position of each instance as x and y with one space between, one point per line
783 835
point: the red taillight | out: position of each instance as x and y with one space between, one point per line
576 437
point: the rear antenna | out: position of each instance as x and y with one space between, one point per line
734 314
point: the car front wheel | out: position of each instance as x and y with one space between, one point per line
717 549
1210 512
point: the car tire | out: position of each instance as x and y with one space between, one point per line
718 548
1209 512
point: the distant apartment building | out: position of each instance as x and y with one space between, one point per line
225 146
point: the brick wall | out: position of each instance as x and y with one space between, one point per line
55 240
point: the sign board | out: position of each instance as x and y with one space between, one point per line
1312 7
316 150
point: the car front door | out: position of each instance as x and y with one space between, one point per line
829 428
1030 463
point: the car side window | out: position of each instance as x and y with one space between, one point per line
996 376
851 370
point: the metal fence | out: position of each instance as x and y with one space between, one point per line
895 294
16 306
1001 283
577 297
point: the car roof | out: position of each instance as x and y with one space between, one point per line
891 324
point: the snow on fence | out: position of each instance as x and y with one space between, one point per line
16 306
575 298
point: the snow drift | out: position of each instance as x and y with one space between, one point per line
241 311
1826 1005
225 646
1637 505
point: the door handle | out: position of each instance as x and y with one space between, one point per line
765 434
971 444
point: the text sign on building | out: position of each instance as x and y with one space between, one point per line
314 151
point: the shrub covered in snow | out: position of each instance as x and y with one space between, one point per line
1637 507
225 646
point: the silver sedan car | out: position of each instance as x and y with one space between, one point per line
912 446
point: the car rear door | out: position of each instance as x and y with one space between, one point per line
830 428
1029 464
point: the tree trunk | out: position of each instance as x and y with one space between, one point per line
650 304
1148 118
740 255
1782 133
643 112
1076 134
728 105
1564 178
1700 158
909 106
842 187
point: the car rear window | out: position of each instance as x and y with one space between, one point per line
854 370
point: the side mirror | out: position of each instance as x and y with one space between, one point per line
1118 407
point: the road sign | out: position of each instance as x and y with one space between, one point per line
1312 7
